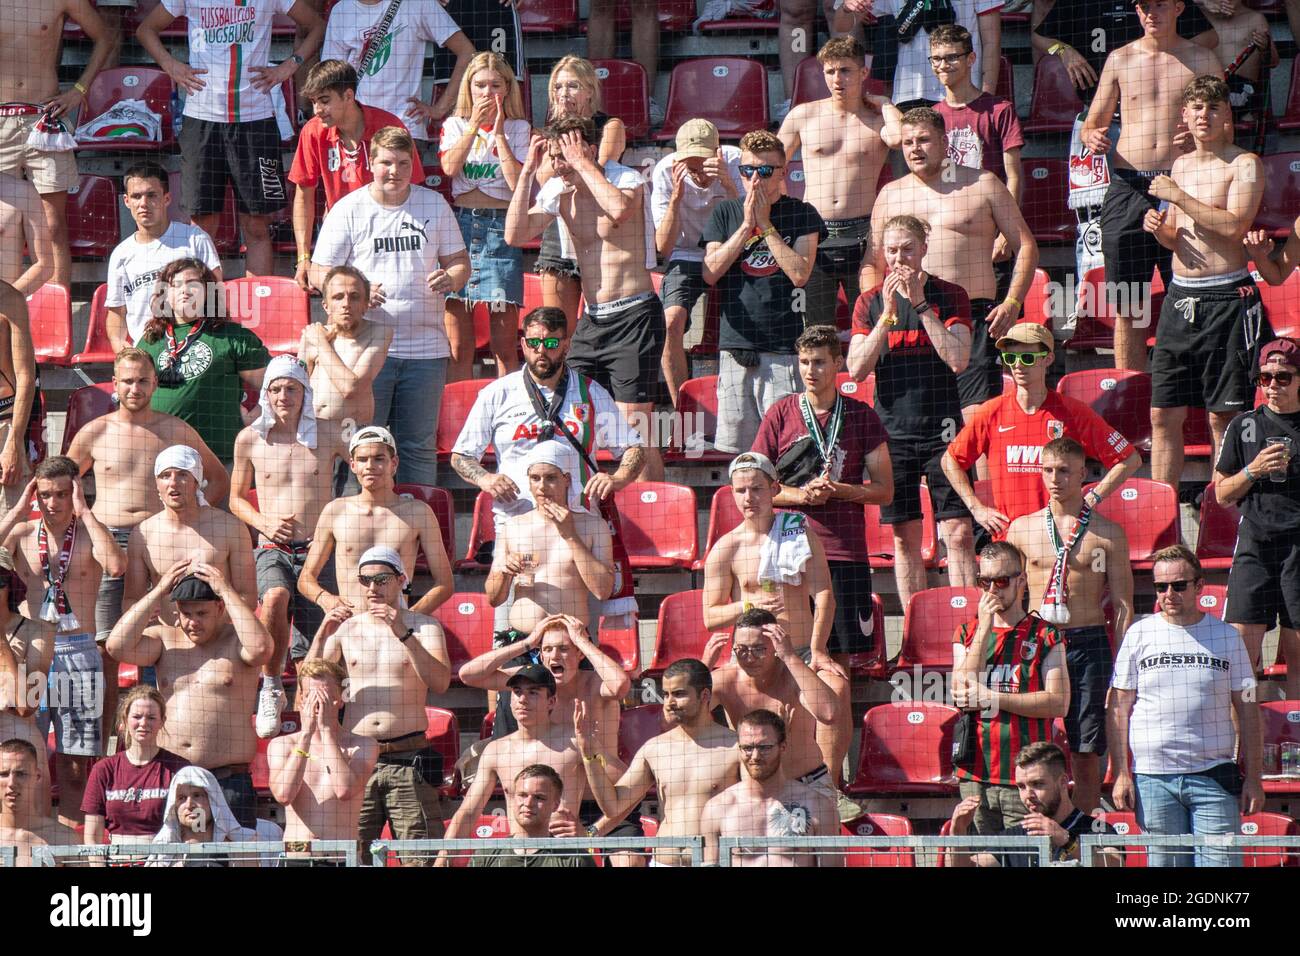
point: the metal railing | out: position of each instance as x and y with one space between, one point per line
8 856
334 852
1227 849
423 852
922 850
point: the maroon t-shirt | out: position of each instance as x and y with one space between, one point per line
980 131
131 799
841 525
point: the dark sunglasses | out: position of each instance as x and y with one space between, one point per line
550 342
1283 379
1178 586
1026 359
382 578
764 172
999 583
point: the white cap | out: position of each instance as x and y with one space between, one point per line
382 555
185 458
372 434
751 461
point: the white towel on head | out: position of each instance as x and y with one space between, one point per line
560 454
224 823
785 551
185 458
286 366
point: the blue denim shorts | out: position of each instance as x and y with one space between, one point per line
496 270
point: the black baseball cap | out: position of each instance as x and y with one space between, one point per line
193 588
534 674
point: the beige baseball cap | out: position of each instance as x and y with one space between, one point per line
697 137
1028 333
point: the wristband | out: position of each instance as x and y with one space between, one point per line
410 632
923 307
1055 48
1249 476
769 231
296 58
1012 299
598 759
79 88
305 257
301 753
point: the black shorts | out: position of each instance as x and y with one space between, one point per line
623 351
981 379
550 257
1264 583
246 155
589 812
682 286
838 263
852 630
1130 251
1207 346
1090 662
912 461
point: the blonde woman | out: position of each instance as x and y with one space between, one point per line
573 90
483 145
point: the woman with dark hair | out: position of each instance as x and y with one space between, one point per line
203 361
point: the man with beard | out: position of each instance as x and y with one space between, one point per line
1044 786
768 802
690 763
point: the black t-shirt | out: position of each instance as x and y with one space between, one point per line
1269 506
757 297
916 391
1076 21
1077 824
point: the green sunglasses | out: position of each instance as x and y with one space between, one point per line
550 342
1027 359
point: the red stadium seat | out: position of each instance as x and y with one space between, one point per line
93 227
1277 212
128 675
1038 302
457 400
906 748
930 623
482 535
681 632
1055 102
625 93
50 310
110 87
1290 119
1044 201
794 179
98 348
466 620
659 526
1121 397
623 644
810 83
439 500
880 537
1006 87
549 16
1197 441
1125 823
1269 825
636 726
1280 722
272 307
876 825
723 516
86 404
443 732
1218 537
864 391
1281 302
731 91
698 398
1148 512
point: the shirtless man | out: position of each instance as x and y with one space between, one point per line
344 355
766 672
967 210
207 670
1244 39
17 392
290 456
120 448
22 824
619 341
22 224
61 558
541 738
556 555
348 527
1212 323
395 657
689 764
26 654
319 774
732 585
1097 562
845 141
187 528
30 47
768 801
1144 80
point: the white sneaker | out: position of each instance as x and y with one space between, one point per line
780 111
656 112
270 702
